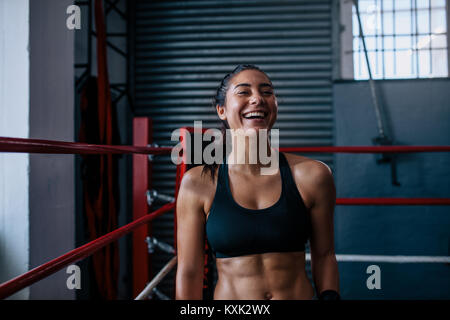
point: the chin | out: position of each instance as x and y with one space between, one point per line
257 128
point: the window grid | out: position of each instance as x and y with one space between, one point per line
416 40
417 48
429 22
382 41
394 38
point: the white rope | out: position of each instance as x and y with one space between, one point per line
157 279
389 259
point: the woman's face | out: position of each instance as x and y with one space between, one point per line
250 102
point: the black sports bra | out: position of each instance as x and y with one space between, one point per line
233 230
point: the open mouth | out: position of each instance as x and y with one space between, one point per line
255 115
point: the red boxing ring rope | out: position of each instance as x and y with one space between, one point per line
48 268
368 149
60 147
393 201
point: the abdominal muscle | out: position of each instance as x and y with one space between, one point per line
267 276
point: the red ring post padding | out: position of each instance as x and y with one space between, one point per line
48 268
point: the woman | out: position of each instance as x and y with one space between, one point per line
256 224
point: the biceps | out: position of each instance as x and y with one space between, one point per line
322 229
322 233
190 235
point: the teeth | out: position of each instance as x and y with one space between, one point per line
254 114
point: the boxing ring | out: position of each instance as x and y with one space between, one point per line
141 150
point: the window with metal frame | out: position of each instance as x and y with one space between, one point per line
404 39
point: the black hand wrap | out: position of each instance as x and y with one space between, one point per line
329 295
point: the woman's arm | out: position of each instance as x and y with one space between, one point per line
320 192
190 240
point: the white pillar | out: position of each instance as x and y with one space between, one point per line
14 122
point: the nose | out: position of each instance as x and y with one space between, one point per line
256 99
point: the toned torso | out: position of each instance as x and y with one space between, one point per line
274 275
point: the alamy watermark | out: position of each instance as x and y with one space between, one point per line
246 146
74 280
374 280
74 20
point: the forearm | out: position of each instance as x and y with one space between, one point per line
189 287
325 272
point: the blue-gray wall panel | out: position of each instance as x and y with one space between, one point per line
419 113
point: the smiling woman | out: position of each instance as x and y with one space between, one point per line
257 225
255 117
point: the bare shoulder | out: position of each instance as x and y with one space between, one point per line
307 168
194 179
197 185
313 178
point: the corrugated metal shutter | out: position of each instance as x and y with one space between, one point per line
184 48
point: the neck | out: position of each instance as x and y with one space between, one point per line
248 156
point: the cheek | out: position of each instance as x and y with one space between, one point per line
272 122
233 111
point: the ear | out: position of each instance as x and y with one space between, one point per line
221 112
